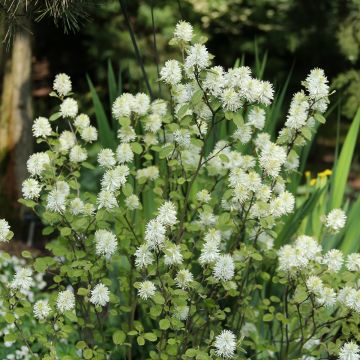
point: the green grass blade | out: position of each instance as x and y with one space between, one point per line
342 166
111 83
106 135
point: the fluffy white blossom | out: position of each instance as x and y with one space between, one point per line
182 138
349 351
197 57
22 280
298 112
4 231
106 243
106 158
141 104
41 309
215 80
106 199
172 255
82 121
225 344
126 134
100 295
155 233
282 204
203 196
65 301
150 173
335 220
256 117
89 134
123 105
158 107
76 206
146 290
31 189
124 153
69 108
316 84
184 278
153 123
353 262
62 84
132 202
143 256
326 297
314 284
167 214
181 312
334 260
37 163
41 127
56 201
272 157
66 140
78 154
114 178
170 73
224 268
183 31
231 99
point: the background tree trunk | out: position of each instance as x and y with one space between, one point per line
16 119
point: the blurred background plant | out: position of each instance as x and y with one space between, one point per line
279 39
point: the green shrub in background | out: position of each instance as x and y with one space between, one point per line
174 256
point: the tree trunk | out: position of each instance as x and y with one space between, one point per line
16 118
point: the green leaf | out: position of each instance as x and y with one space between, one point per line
342 166
136 148
55 116
164 324
119 337
10 338
140 340
26 254
87 354
106 135
65 231
9 318
268 317
320 118
150 336
196 98
351 240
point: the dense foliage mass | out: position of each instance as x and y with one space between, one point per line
201 278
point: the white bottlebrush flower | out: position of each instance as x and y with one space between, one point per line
182 138
282 204
203 196
231 99
184 278
37 163
272 157
349 351
56 201
100 295
22 280
82 121
62 84
167 214
170 73
106 158
41 127
173 255
146 290
41 309
298 112
334 260
155 234
132 202
141 104
106 200
225 344
89 134
66 141
256 117
314 284
183 31
214 81
326 297
65 301
124 153
69 108
143 256
89 209
114 178
290 260
181 312
316 84
158 107
78 154
4 231
353 262
335 220
126 134
197 57
150 173
105 242
238 77
123 105
243 133
76 206
308 247
153 123
31 189
224 268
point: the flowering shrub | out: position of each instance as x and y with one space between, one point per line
200 278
